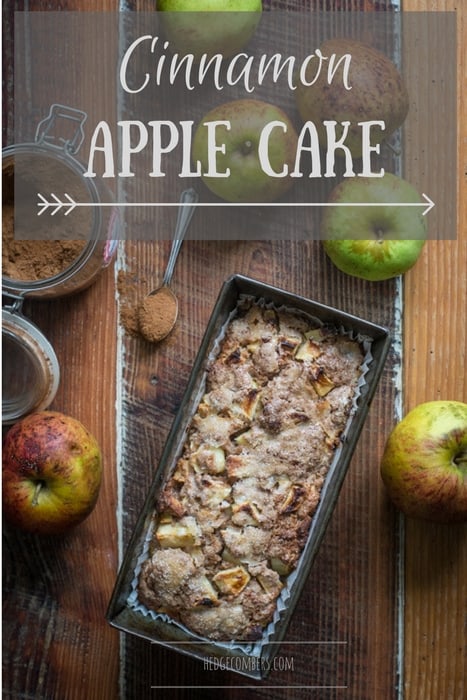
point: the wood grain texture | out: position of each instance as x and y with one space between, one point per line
343 631
435 347
56 589
348 597
56 642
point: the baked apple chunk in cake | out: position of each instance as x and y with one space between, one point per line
234 516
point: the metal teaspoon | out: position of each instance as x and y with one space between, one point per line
158 312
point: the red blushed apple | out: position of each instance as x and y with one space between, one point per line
424 464
51 473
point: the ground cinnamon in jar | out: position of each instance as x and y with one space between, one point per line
157 314
33 260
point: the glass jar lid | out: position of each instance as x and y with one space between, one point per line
30 369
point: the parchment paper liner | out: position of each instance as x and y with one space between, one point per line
253 648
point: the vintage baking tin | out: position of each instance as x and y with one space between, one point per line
250 659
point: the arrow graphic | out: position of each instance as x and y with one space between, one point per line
56 204
68 204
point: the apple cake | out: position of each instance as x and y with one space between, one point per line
232 519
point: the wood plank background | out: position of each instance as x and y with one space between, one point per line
435 349
342 600
56 641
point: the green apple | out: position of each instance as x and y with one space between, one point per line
237 151
424 464
374 242
214 33
376 92
51 473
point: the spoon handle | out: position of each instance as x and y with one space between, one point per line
188 199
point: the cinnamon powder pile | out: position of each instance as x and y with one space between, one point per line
128 285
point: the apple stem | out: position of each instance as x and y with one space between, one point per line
461 461
247 147
37 490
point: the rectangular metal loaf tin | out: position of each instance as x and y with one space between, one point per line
252 659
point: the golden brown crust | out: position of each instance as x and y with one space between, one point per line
234 517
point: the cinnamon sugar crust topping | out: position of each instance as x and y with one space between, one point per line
233 518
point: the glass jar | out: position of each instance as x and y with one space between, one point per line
41 167
63 256
30 369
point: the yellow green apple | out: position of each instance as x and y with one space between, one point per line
212 33
424 464
51 473
238 173
377 241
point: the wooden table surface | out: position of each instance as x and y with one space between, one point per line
391 591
